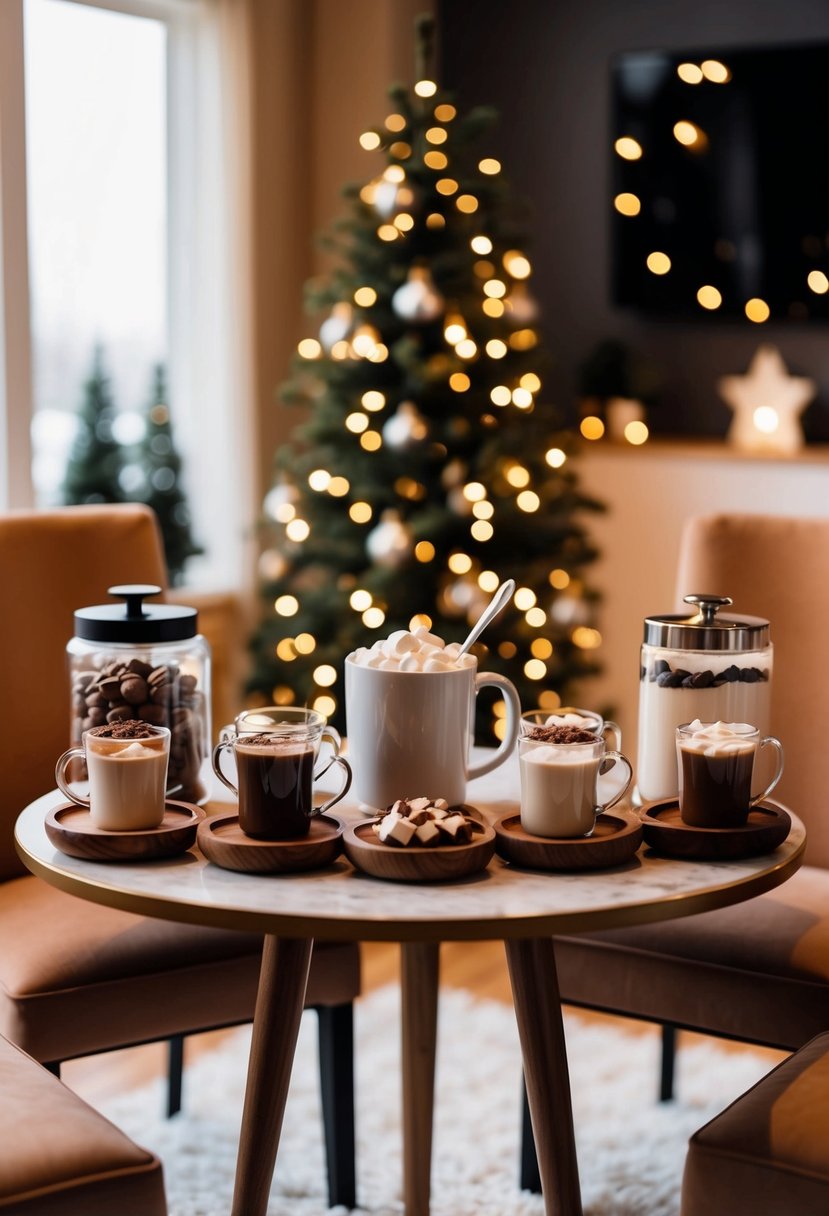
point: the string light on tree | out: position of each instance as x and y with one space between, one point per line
426 445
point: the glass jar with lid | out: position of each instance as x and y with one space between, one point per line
706 665
145 661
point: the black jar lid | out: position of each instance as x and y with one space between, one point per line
135 621
707 629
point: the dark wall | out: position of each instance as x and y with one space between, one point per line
544 64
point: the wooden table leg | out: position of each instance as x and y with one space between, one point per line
419 994
279 1003
532 970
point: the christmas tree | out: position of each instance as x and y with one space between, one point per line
95 458
430 465
160 485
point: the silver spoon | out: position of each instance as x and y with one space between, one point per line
495 606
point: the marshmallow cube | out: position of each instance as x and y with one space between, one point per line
396 830
427 833
401 642
435 664
411 662
431 639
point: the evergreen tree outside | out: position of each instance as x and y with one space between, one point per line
95 458
429 466
160 481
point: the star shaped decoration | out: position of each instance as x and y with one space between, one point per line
767 404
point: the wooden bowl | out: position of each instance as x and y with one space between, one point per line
615 839
70 829
223 842
434 863
767 826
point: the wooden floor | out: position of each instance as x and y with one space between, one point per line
479 967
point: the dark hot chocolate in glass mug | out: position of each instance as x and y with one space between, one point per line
276 752
716 769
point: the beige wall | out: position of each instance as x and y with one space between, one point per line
321 70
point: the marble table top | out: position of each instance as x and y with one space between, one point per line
339 903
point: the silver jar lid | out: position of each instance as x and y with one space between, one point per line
706 629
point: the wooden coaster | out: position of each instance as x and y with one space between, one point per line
615 839
434 863
767 826
70 829
222 841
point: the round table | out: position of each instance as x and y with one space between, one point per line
521 907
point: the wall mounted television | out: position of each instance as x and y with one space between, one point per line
720 183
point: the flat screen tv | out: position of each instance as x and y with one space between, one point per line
720 182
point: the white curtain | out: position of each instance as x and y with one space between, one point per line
211 260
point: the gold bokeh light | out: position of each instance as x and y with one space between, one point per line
591 427
690 73
658 262
757 310
627 204
709 297
628 148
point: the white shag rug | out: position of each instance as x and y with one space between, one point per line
631 1149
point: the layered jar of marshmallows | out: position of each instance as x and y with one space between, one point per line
706 665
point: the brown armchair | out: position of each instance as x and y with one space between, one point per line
77 978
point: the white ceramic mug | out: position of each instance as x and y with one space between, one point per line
410 732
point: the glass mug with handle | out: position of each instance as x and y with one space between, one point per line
715 763
571 715
276 751
559 784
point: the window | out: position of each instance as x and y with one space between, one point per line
116 223
97 210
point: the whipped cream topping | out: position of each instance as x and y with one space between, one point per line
571 720
558 754
412 651
717 738
134 750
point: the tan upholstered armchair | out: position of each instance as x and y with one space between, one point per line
77 978
758 971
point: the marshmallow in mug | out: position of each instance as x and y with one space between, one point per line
417 651
718 738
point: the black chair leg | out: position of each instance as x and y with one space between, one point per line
530 1176
175 1068
336 1048
666 1071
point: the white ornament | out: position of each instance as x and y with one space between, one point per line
278 496
385 198
405 428
337 326
272 565
390 543
767 404
521 305
621 411
418 299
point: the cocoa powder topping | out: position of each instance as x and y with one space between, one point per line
561 734
132 728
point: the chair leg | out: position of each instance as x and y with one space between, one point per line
336 1049
666 1071
530 1174
175 1069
